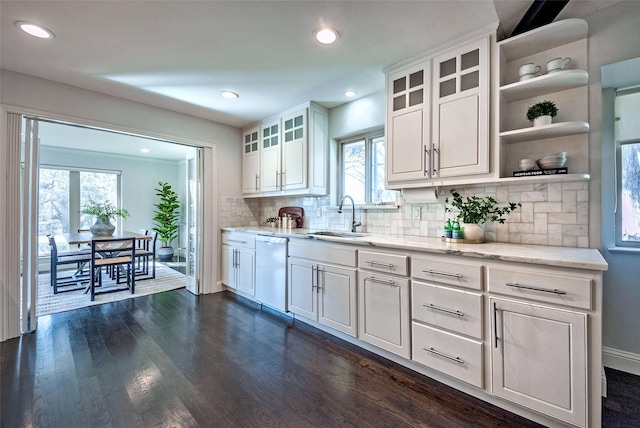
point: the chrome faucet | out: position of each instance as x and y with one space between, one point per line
354 224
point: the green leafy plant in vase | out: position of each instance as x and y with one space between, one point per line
166 219
103 212
541 113
475 211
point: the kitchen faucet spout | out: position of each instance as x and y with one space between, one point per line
354 224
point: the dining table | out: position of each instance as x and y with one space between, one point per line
81 238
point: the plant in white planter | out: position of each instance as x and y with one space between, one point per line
541 113
474 211
166 220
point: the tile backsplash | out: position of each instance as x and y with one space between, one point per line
551 214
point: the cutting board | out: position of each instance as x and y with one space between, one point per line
297 213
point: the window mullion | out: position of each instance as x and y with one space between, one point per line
74 201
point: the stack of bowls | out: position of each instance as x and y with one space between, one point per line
527 164
556 160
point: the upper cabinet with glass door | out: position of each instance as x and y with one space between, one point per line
251 160
293 155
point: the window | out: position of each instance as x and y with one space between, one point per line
362 169
627 110
63 192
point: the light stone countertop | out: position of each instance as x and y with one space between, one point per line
580 258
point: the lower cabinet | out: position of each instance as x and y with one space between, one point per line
323 293
384 317
238 262
539 360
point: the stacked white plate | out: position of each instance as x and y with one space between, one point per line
556 160
527 164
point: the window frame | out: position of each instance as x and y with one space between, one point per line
368 139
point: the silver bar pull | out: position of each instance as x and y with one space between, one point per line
528 287
277 175
236 240
427 162
257 188
436 151
449 311
383 281
318 279
435 272
282 180
314 277
449 357
373 263
495 325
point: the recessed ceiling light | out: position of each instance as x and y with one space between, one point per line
35 30
229 94
350 93
326 35
144 150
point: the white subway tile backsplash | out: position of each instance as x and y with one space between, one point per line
551 214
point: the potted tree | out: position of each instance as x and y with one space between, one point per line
166 220
474 211
541 113
104 212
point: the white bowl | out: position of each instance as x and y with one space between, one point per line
551 164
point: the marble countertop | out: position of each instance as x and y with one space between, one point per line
580 258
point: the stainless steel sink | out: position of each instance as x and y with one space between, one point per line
337 234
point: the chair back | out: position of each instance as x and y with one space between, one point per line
54 254
120 250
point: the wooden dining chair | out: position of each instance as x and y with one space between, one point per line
118 254
70 282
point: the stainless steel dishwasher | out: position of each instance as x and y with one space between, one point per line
271 271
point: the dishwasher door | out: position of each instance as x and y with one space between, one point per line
271 271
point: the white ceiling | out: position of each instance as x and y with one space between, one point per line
179 55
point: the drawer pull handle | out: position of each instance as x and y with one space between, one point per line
236 240
383 281
449 357
527 287
435 272
372 263
449 311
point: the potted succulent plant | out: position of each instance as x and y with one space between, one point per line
166 220
474 211
272 221
103 212
541 113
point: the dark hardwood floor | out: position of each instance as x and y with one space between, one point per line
173 359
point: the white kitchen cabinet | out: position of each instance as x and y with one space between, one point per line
567 88
539 358
321 291
294 153
461 110
238 261
408 123
251 160
384 312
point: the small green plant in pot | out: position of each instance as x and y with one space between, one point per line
166 220
477 210
103 212
541 113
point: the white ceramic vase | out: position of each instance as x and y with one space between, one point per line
473 231
542 121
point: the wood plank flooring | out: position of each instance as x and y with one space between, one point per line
174 359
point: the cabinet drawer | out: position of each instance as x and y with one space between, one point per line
455 310
239 239
448 353
336 254
383 262
448 270
541 285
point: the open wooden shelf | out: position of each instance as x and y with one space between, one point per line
545 84
554 130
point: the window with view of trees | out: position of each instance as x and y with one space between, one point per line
363 169
63 192
628 167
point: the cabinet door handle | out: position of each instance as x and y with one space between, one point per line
427 162
449 311
236 240
495 325
372 263
318 279
441 354
314 277
435 272
527 287
257 182
282 180
436 151
383 281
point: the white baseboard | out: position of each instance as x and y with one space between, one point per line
621 360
